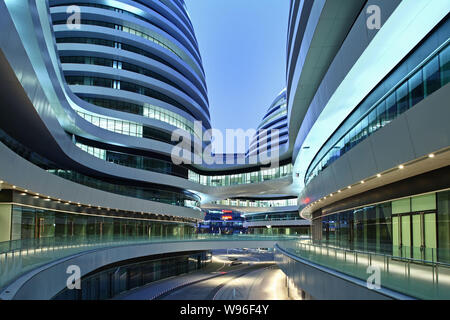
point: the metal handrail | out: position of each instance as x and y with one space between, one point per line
421 278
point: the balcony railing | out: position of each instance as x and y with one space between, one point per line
18 257
417 278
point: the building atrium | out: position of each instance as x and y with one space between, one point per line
112 188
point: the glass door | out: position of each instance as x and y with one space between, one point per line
414 235
417 236
406 235
40 225
430 236
396 241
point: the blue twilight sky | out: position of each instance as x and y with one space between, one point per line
243 47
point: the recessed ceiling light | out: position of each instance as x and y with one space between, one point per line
401 166
378 175
362 181
349 187
431 155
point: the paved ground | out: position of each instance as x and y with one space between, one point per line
253 275
263 284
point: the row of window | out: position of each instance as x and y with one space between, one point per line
430 77
299 231
124 29
265 138
414 227
96 152
276 106
121 46
34 223
146 110
161 166
119 65
118 126
241 178
122 85
169 117
272 216
134 161
257 203
107 284
278 114
146 193
102 6
185 17
162 43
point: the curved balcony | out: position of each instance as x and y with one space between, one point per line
400 278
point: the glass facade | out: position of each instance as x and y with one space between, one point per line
272 216
161 42
122 85
416 227
116 64
169 117
432 75
115 280
241 178
277 114
122 11
122 46
289 231
38 223
115 125
257 203
149 111
146 193
135 161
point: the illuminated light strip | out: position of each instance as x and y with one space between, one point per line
400 167
411 21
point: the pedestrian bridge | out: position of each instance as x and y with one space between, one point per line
42 263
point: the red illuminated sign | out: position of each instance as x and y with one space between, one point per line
227 217
227 211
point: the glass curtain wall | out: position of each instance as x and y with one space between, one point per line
33 223
433 75
416 227
116 280
299 231
241 178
